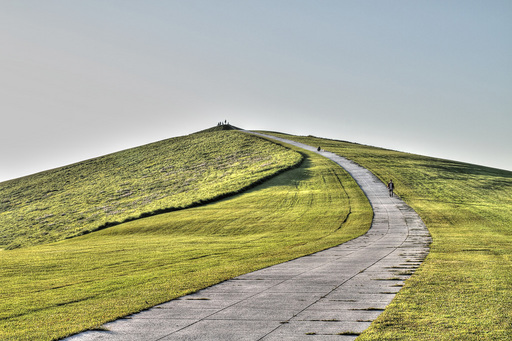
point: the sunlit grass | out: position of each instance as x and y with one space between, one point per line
53 290
162 176
463 291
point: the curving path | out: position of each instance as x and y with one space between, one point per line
330 295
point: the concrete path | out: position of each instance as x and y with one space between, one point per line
331 295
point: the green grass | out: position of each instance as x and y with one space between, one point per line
165 175
463 290
57 289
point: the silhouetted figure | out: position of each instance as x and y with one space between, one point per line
391 187
318 149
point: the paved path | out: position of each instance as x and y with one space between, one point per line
330 295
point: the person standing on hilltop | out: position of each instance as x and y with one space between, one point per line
391 187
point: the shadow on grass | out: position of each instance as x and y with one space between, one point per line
299 170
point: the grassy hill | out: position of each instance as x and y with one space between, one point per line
463 290
162 176
57 289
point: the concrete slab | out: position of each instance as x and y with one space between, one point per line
330 295
325 328
310 337
348 315
227 330
254 313
134 329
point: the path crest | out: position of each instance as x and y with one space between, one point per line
330 295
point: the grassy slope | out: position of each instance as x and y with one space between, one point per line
52 290
173 173
463 291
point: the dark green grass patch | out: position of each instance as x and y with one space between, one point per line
463 290
53 290
162 176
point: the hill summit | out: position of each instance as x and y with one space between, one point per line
220 127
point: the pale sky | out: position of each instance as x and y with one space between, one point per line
80 79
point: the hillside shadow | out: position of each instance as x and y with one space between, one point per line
289 177
469 169
280 178
491 178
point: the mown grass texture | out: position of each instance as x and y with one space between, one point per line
463 290
170 174
53 290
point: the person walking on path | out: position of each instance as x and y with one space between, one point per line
391 187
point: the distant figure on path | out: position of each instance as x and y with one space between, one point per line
319 149
391 187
